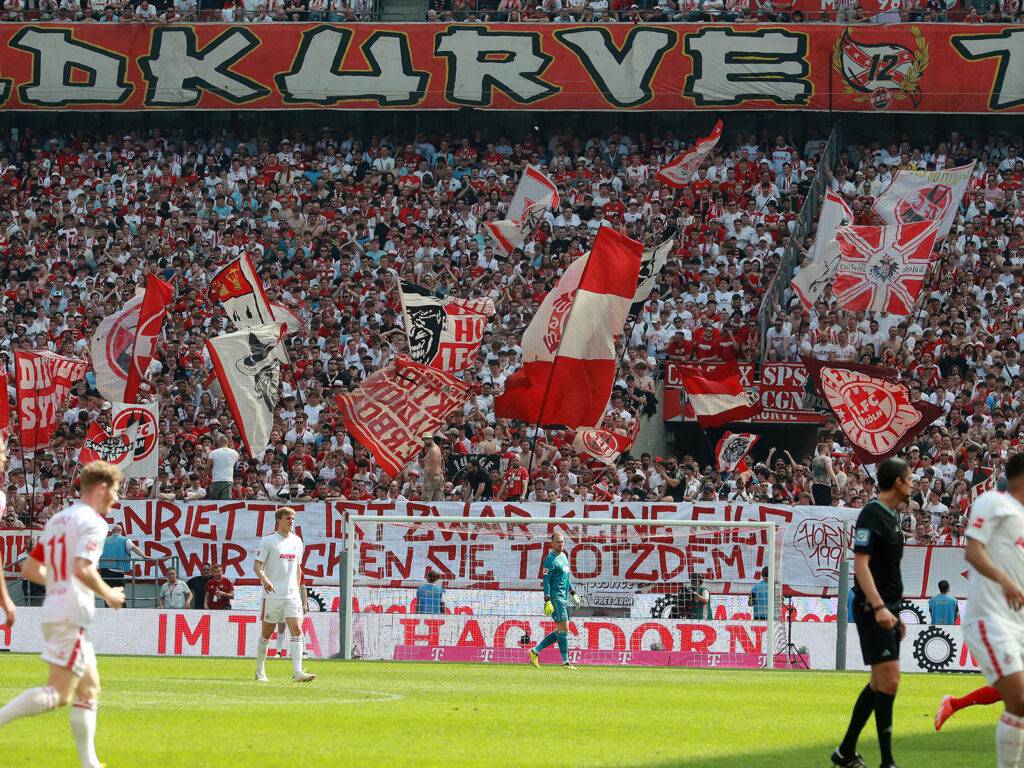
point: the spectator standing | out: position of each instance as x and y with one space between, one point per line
433 469
174 593
115 561
220 468
197 585
943 607
219 591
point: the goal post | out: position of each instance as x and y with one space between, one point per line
634 577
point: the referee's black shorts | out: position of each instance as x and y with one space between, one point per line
877 644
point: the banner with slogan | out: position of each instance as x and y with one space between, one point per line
815 539
780 390
932 68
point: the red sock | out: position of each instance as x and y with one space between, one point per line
986 695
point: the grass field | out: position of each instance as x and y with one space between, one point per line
209 712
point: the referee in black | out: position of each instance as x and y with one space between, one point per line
878 588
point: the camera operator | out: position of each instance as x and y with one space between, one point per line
692 601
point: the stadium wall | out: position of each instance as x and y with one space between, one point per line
946 68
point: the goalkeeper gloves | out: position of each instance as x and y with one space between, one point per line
548 608
575 599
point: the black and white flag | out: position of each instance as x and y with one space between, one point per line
444 332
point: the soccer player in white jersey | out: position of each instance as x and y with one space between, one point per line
64 559
279 569
994 624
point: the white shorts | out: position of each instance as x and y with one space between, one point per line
68 646
998 647
274 610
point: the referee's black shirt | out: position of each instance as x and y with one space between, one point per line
878 534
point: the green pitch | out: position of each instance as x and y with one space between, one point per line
209 712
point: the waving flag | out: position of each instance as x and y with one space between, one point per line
112 349
240 290
569 347
717 395
651 264
444 332
114 449
248 367
599 444
678 173
916 196
396 407
731 451
874 410
140 423
882 269
155 303
823 260
534 195
44 380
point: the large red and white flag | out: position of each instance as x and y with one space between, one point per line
117 449
240 290
112 348
916 196
601 445
155 303
43 380
731 451
569 347
717 394
822 262
680 171
534 195
874 410
396 407
882 269
444 332
248 367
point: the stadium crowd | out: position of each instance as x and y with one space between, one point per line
332 220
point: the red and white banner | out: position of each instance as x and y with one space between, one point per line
916 196
822 261
534 195
717 395
396 407
678 173
155 303
44 380
568 357
444 332
117 449
240 290
874 410
599 444
882 269
112 347
732 450
140 422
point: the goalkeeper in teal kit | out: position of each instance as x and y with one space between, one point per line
558 592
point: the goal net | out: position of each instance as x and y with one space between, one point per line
470 589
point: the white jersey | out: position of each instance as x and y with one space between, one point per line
281 558
997 521
75 532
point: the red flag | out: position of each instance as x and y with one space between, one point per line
882 269
43 381
874 410
155 304
599 444
5 409
396 407
678 173
118 449
569 347
732 451
717 395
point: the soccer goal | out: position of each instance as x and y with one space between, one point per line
470 589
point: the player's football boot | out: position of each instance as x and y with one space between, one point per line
854 761
534 659
303 677
568 665
261 677
944 711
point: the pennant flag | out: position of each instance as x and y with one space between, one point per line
601 445
444 333
822 261
717 396
43 380
569 347
534 195
397 406
916 196
155 302
874 410
112 349
651 264
678 173
732 451
248 367
5 409
114 449
240 290
882 269
140 423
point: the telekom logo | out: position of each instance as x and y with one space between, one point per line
624 657
436 654
486 654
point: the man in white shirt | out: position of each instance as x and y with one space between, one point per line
174 593
64 560
279 569
220 469
993 622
